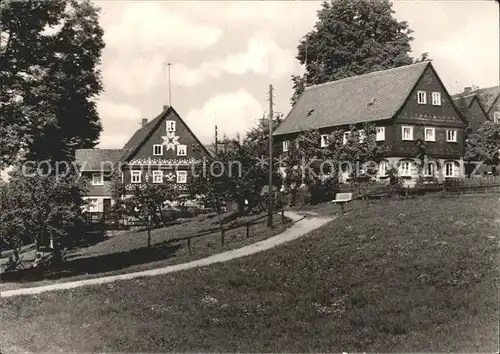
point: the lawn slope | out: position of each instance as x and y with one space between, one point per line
399 276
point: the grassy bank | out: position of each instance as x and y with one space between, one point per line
127 252
410 275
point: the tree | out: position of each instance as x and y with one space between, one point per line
352 37
49 79
146 204
317 167
484 144
41 209
211 183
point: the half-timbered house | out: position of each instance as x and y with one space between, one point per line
405 103
162 151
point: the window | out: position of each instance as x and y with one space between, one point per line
421 97
97 179
346 137
324 140
157 150
380 134
136 176
430 134
286 144
181 150
382 168
362 135
436 98
181 176
92 205
157 176
451 135
170 125
407 133
429 169
405 168
449 170
496 117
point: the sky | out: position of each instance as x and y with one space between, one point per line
225 55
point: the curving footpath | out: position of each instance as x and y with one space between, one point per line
301 227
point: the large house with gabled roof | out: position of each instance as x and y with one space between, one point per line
472 109
161 151
480 105
405 103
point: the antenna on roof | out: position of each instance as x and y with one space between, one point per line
168 64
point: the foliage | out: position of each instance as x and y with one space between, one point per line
38 208
395 181
318 167
388 278
239 173
484 144
146 202
49 79
352 37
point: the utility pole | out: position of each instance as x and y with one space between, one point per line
216 143
270 207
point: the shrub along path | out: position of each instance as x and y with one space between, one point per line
294 232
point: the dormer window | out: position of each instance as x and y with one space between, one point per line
170 125
496 117
286 144
422 97
157 150
436 98
324 140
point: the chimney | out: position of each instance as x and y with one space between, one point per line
165 107
144 122
467 90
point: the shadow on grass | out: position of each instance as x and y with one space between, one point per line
95 265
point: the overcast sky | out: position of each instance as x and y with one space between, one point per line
225 55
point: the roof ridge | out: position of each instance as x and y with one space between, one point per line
378 72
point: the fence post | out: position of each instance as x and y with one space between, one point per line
282 216
247 225
189 246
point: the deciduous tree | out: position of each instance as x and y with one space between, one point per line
42 209
49 79
484 144
352 37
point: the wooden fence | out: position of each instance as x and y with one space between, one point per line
247 224
455 186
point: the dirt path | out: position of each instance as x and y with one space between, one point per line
299 229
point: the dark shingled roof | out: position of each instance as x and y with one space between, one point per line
347 101
463 101
141 134
486 96
91 159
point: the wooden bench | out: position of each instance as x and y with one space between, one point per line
342 198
